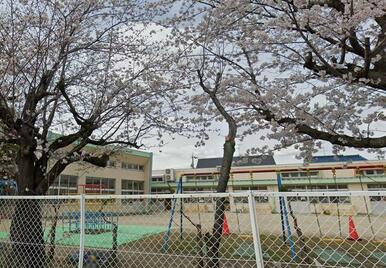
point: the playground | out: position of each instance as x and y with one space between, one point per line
104 240
238 224
161 237
144 245
148 233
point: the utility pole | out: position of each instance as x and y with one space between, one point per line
192 164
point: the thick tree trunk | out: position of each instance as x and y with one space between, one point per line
215 241
27 235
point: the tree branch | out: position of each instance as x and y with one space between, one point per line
334 138
230 120
103 142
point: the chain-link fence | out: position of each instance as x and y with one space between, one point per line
251 229
324 229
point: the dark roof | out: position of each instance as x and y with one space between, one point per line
238 161
337 158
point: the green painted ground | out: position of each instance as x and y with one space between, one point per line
336 257
126 234
380 256
3 235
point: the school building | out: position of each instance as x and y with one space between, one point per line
128 172
260 173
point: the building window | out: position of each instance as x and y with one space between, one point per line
111 164
374 172
160 191
244 200
132 166
157 179
64 185
299 175
377 187
132 187
200 190
319 188
200 178
261 188
195 190
105 185
126 165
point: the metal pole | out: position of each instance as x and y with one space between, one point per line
181 209
255 231
291 242
284 217
281 202
82 229
165 245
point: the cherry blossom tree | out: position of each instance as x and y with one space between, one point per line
89 68
301 71
211 87
297 72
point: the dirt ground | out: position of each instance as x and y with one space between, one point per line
319 231
330 226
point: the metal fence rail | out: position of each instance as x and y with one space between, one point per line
258 229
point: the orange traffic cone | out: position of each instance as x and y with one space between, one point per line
353 234
225 227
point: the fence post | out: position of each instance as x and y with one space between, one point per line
255 231
81 230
